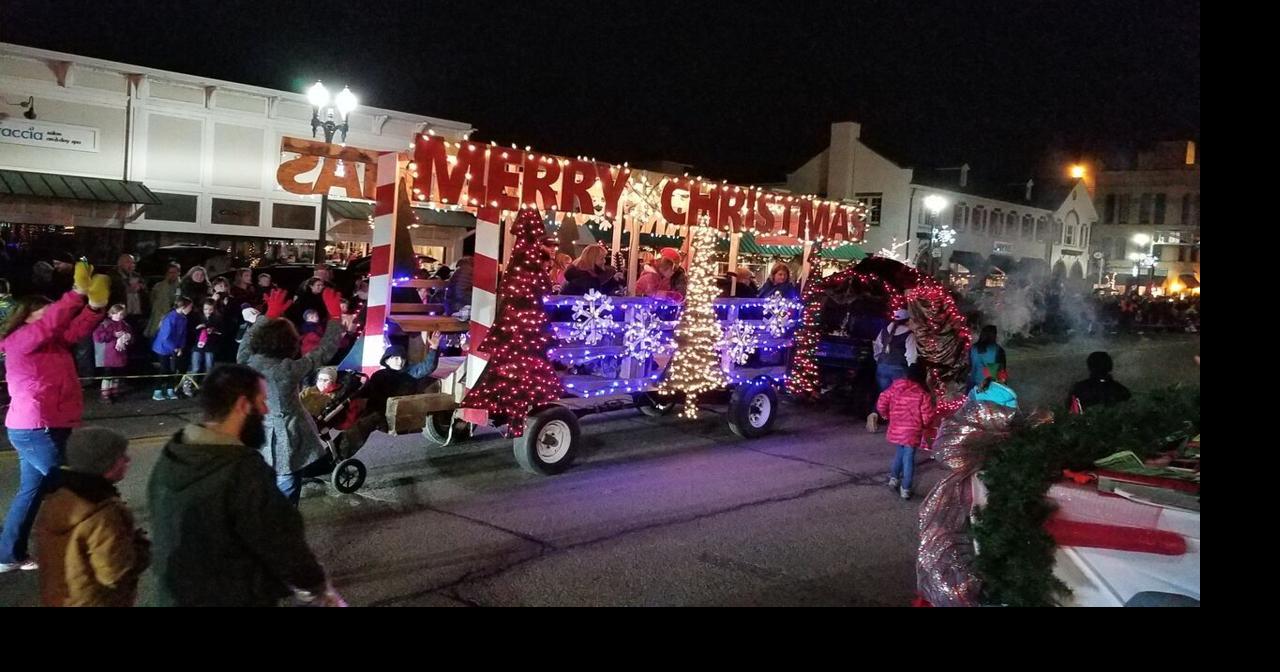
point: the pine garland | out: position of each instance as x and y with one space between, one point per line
1016 554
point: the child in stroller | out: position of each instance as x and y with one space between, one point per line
331 401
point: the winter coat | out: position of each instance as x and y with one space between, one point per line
651 283
458 292
222 534
910 412
1098 390
90 551
172 335
210 333
162 296
988 364
995 393
578 282
311 336
787 289
107 334
293 442
387 382
40 369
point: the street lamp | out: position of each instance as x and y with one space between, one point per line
1148 260
324 104
938 238
1077 172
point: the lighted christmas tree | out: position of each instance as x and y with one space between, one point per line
518 376
695 368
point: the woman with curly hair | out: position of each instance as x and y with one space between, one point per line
271 346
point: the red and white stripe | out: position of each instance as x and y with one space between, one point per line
380 266
484 292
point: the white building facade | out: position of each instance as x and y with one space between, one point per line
208 150
1043 230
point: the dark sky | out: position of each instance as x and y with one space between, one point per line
744 91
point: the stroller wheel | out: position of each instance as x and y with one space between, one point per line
348 475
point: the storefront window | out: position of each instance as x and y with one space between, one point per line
235 213
292 216
173 208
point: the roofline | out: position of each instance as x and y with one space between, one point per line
127 69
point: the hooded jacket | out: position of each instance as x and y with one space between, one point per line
90 551
222 533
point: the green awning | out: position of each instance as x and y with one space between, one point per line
848 252
74 188
360 210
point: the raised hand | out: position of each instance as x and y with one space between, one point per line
277 303
332 303
83 276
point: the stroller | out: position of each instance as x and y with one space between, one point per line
344 471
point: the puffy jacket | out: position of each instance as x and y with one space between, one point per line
40 369
89 549
172 334
107 333
996 394
910 411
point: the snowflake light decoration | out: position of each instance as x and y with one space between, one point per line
777 314
739 342
643 337
592 318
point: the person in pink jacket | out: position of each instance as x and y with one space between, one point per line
37 341
909 406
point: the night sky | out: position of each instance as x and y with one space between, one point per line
744 91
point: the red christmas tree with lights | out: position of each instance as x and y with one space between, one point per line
518 376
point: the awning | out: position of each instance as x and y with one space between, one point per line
846 252
70 187
1189 280
361 212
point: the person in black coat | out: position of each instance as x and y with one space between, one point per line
1099 389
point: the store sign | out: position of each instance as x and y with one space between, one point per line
474 175
311 167
34 133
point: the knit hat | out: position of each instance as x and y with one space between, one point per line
670 253
94 450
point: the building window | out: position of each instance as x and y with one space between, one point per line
1042 229
1182 253
1196 214
1124 208
235 213
1011 224
979 219
1195 255
1144 209
872 203
1028 227
1069 235
1160 204
293 216
960 217
1111 208
173 208
995 222
1186 210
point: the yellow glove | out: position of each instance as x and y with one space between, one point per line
84 275
99 292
